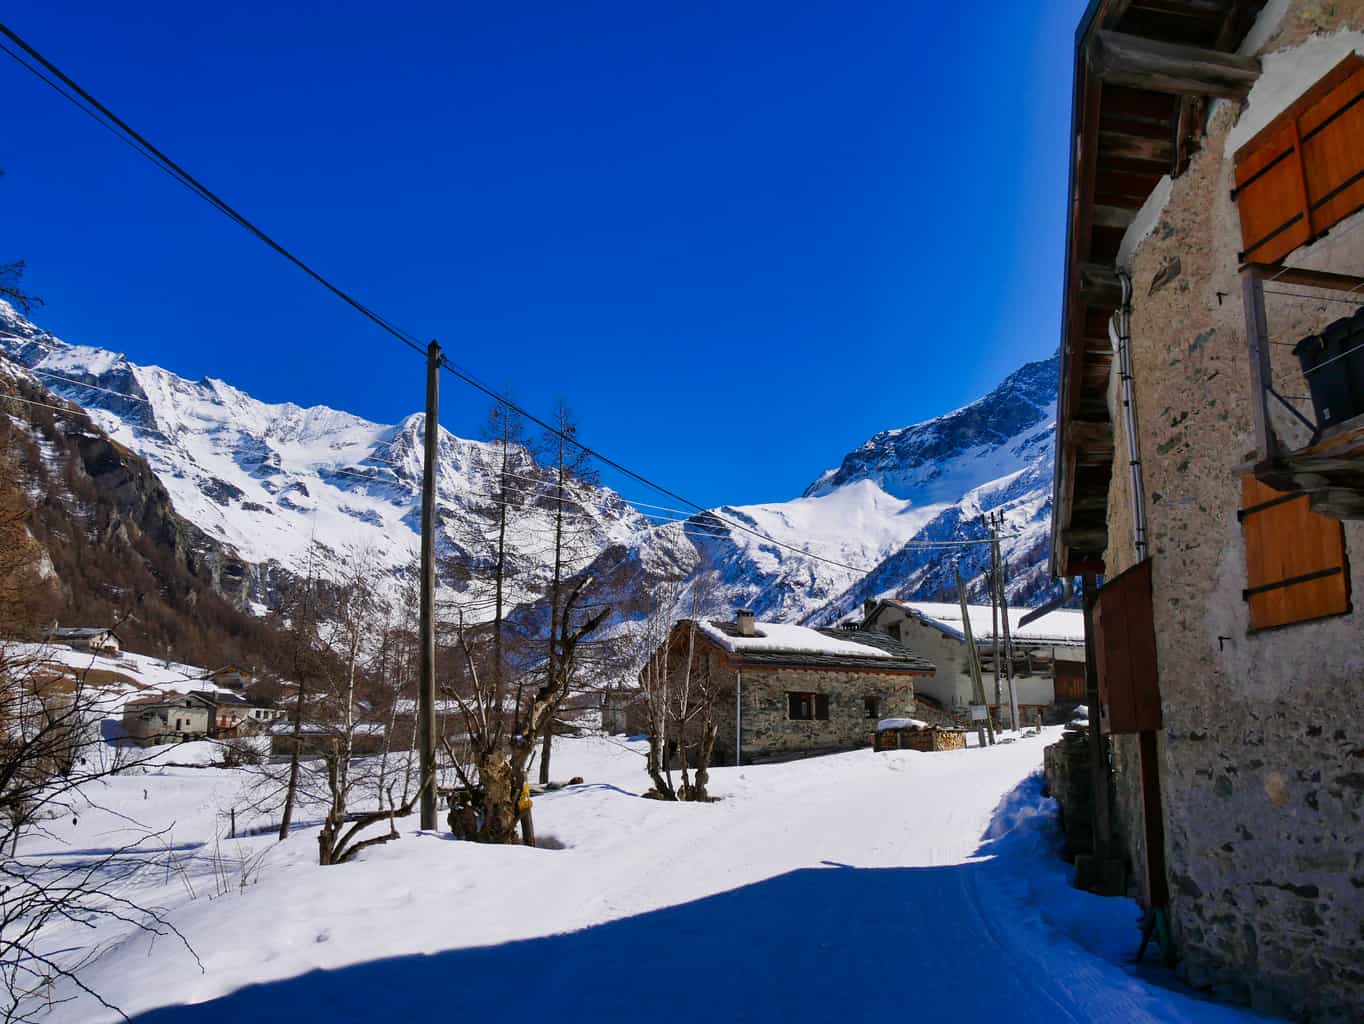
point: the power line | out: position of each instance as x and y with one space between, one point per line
86 102
77 411
195 185
83 384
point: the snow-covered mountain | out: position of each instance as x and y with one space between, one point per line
898 517
268 481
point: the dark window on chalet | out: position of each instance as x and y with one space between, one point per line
872 706
896 631
807 707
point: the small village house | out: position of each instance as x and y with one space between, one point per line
92 639
1210 470
790 691
1049 652
231 677
168 718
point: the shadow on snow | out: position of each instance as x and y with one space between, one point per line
817 944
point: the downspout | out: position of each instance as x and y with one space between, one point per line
1120 334
738 714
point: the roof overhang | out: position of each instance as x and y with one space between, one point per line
1144 71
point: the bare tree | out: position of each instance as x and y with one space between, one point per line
488 805
680 693
354 624
51 749
571 469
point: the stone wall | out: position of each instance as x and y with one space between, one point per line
1262 751
768 730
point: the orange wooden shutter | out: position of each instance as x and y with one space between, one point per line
1304 172
1295 558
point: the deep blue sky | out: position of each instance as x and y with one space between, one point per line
737 238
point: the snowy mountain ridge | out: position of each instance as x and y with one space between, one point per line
268 480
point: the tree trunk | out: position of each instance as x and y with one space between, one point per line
501 796
544 755
291 790
709 730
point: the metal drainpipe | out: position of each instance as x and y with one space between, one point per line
738 713
1120 334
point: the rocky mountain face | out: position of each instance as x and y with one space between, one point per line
897 518
116 553
275 486
279 486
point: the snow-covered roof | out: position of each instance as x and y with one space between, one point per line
1063 627
783 638
782 644
79 632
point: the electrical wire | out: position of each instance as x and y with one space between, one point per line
86 102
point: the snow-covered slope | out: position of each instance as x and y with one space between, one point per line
268 480
897 518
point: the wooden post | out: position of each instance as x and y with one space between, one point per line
1098 763
1261 374
426 724
977 684
1008 641
233 834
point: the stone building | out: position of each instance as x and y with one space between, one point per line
1048 662
91 639
1213 479
785 691
168 718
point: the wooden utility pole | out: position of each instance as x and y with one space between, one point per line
977 684
995 614
1000 579
426 698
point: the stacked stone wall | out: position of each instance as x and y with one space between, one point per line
1262 750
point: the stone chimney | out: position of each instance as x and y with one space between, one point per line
868 606
743 618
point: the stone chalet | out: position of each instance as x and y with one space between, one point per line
94 639
792 691
1049 651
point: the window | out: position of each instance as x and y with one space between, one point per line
807 707
872 706
1295 558
896 630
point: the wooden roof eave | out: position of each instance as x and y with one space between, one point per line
1142 70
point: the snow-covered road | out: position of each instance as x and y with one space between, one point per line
844 888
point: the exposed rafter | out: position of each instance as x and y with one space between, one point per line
1122 59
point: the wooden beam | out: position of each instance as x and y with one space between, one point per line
1091 539
1261 375
1099 286
1272 274
1188 132
1121 59
1090 434
1113 216
1128 146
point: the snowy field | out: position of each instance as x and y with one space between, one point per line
853 887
